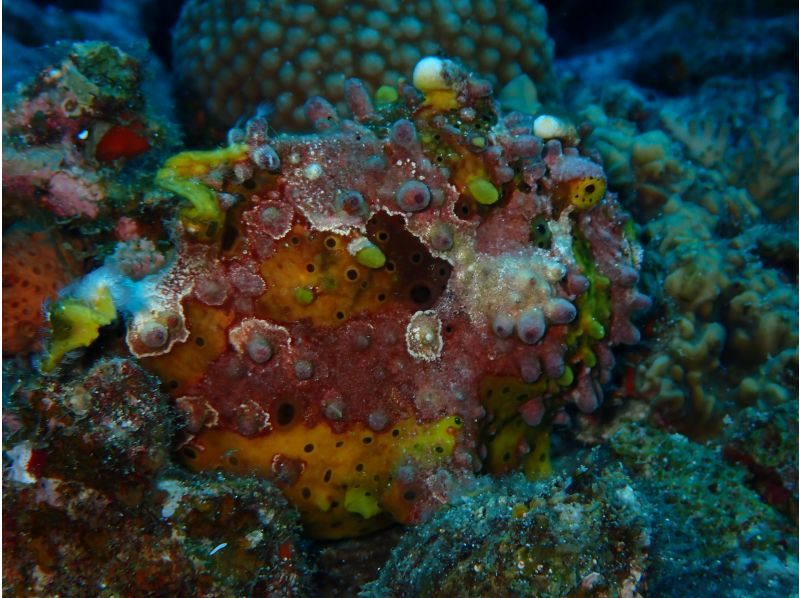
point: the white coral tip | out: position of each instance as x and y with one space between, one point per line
433 74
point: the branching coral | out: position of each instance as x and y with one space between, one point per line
752 142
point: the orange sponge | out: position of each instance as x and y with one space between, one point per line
33 272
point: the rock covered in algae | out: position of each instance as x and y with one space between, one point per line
650 513
203 535
712 533
91 500
80 142
584 536
72 135
95 427
368 314
763 439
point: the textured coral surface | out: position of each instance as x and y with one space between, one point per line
300 50
34 270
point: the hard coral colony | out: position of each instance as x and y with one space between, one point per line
305 49
369 314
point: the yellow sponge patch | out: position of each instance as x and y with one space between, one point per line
182 175
186 362
313 276
342 484
77 324
199 163
583 193
440 100
510 442
594 309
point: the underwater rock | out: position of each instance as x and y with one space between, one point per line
189 534
711 533
111 422
584 534
69 134
763 439
91 499
648 513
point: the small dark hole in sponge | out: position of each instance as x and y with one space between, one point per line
285 414
420 294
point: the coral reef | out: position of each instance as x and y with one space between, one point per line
400 353
91 501
80 143
721 270
392 280
724 306
730 138
310 49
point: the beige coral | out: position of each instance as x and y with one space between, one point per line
773 382
704 175
725 304
645 165
690 356
752 144
759 327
